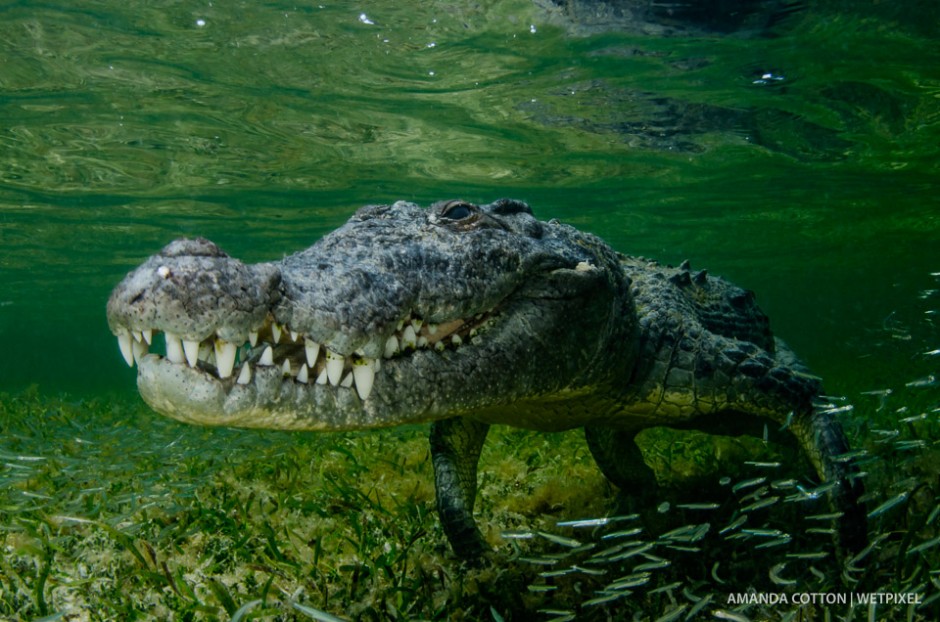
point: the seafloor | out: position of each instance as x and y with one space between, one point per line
110 512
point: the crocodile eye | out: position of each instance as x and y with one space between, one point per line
457 211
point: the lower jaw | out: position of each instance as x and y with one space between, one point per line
270 400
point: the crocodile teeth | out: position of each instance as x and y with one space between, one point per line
174 348
334 367
285 367
225 357
302 374
391 346
347 381
253 338
124 343
147 335
364 375
312 349
275 332
321 379
293 335
408 338
206 352
244 376
191 349
140 349
267 357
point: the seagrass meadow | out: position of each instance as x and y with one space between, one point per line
791 147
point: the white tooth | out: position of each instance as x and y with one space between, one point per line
140 350
244 376
285 367
334 367
422 341
276 332
147 335
391 346
293 335
191 349
225 357
205 351
136 335
416 324
267 357
432 329
302 374
408 337
364 375
439 346
124 343
253 338
401 324
321 379
456 340
347 381
376 364
174 348
312 348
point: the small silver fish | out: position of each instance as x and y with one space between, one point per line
921 383
605 598
748 483
626 533
733 524
541 589
652 566
562 540
774 574
763 465
764 533
772 543
890 503
762 503
629 581
809 555
585 522
687 533
673 614
698 506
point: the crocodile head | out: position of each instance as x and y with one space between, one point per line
401 315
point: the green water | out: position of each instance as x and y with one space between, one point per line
128 124
801 160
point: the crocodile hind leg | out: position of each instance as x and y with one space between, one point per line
455 450
822 440
776 386
620 460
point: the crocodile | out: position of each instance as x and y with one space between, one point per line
466 316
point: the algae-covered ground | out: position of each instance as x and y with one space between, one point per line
112 512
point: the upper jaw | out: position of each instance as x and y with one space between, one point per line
228 320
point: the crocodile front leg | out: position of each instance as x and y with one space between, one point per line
455 450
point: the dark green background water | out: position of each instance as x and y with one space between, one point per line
266 124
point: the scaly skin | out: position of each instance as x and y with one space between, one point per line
467 316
